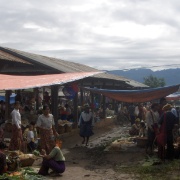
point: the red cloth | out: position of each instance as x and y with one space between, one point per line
16 139
161 139
162 136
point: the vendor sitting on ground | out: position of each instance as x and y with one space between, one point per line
55 160
135 128
3 165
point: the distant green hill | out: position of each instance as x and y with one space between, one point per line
171 76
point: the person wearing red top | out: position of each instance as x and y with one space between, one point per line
167 122
162 103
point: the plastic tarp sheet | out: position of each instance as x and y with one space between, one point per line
13 82
174 96
12 98
143 95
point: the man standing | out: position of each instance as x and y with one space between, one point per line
17 138
152 118
175 112
131 112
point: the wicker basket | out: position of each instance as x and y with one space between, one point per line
68 128
28 161
141 141
61 129
13 166
8 127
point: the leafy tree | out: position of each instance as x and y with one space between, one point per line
154 82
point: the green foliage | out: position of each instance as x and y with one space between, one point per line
26 174
154 82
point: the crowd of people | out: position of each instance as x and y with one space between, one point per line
159 122
42 135
49 145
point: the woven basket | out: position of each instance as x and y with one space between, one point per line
12 166
8 127
26 162
68 128
61 129
141 141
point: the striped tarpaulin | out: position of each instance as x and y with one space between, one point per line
143 95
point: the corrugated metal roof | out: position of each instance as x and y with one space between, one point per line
10 57
130 82
11 82
68 67
58 64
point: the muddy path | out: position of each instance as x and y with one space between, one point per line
92 162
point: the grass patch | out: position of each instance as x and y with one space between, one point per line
164 171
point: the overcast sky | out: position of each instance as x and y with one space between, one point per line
104 34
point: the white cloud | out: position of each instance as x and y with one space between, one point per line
103 34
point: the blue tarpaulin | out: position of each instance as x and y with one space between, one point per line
12 98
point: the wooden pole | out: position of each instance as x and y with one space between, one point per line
75 113
7 103
54 102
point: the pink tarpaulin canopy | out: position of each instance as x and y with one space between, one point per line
143 95
12 82
173 97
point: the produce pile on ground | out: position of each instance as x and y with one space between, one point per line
23 174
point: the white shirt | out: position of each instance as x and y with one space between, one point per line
152 118
173 110
30 136
16 118
45 122
86 117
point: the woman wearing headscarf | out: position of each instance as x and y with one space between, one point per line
85 124
46 126
167 122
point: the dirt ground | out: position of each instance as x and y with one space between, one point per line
92 162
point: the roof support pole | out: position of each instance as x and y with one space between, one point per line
82 97
104 101
36 93
104 106
54 102
7 103
75 112
113 101
92 101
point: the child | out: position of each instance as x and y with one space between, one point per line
30 139
135 128
142 129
